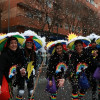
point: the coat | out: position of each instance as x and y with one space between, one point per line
55 59
8 58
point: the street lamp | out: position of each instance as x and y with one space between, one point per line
8 15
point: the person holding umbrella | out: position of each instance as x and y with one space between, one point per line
30 67
56 69
79 61
11 59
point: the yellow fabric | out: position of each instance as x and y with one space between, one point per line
30 68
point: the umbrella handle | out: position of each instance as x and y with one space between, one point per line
36 81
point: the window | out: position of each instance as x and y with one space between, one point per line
29 14
66 26
92 2
49 20
49 4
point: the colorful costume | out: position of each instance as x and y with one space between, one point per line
54 69
75 72
8 58
20 81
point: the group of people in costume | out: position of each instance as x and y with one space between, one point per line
24 59
11 56
89 57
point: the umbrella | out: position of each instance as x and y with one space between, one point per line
85 41
51 46
92 36
98 40
49 43
3 39
36 39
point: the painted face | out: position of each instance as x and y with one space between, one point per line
29 45
79 47
59 49
13 45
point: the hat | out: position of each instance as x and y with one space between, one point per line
29 40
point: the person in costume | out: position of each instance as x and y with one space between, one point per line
30 67
78 58
55 68
10 59
95 54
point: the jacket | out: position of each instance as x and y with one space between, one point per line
55 59
8 58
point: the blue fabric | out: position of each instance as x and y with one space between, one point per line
83 82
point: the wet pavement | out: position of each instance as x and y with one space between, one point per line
63 93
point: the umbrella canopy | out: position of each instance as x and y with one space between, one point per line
85 41
36 39
51 46
4 38
49 43
92 36
98 40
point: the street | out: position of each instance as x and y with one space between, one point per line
63 93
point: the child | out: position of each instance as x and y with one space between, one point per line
78 56
58 57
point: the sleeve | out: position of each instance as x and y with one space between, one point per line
2 67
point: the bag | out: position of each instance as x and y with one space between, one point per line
97 73
5 95
83 82
51 89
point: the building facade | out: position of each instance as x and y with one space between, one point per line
51 17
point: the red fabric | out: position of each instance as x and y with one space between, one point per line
90 45
65 48
84 45
5 95
34 47
5 44
29 39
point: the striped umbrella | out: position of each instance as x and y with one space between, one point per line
85 41
3 39
36 39
51 45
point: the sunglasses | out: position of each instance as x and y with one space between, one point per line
29 42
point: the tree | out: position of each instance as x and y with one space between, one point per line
1 10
